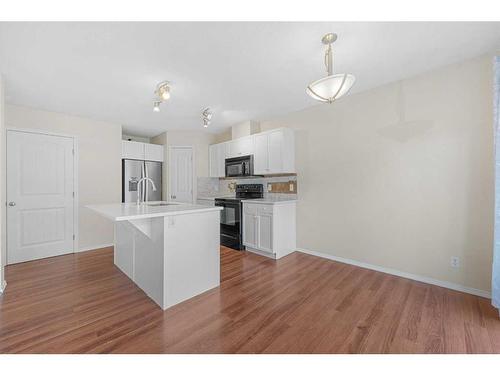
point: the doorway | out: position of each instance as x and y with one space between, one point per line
180 174
41 195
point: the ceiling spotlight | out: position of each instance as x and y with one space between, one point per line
163 90
156 107
206 116
333 86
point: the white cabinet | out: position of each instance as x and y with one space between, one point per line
250 230
269 229
274 152
217 154
241 146
153 152
142 151
132 150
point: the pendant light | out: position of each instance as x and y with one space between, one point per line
333 86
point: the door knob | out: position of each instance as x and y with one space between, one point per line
12 204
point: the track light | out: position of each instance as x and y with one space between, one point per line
163 91
156 107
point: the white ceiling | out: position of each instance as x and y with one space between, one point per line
108 71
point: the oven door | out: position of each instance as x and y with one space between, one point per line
230 223
235 169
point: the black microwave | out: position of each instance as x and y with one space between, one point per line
239 167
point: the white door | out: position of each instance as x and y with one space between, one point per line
39 196
260 159
181 174
265 232
250 230
275 161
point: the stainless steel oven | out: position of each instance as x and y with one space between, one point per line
241 166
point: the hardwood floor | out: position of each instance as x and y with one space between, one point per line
81 303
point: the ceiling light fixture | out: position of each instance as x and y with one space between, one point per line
206 116
333 86
156 106
163 90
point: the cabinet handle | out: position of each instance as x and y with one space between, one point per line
12 204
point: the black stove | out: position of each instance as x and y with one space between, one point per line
231 214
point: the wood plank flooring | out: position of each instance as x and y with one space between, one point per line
81 303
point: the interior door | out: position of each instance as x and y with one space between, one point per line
39 195
181 174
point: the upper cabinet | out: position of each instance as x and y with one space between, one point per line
153 152
132 150
273 152
142 151
218 159
241 146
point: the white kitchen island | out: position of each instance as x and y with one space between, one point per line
171 251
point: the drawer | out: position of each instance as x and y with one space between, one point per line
250 209
257 209
265 209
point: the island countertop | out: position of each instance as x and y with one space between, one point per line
132 211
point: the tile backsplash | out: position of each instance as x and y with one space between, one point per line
212 187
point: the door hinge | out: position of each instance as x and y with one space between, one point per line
73 151
73 194
73 237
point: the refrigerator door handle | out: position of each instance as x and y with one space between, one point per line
146 186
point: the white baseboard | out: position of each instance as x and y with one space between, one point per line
94 247
390 271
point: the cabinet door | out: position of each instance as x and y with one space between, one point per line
275 161
241 146
132 150
153 152
261 155
213 152
221 159
265 232
249 230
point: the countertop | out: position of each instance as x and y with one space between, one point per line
206 198
132 211
276 201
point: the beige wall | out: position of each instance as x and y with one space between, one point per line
3 244
198 139
223 136
99 179
404 192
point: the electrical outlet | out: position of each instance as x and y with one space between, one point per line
269 187
291 187
455 262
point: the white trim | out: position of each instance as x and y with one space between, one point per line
94 247
390 271
193 165
3 286
75 174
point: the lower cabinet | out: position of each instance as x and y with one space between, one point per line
269 229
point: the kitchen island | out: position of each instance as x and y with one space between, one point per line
170 250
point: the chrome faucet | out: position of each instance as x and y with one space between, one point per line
139 185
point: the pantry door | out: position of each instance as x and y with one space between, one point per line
40 196
181 174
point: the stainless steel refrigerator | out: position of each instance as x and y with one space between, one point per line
132 172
